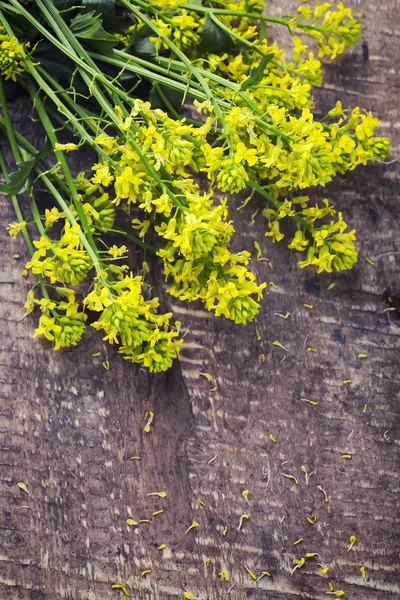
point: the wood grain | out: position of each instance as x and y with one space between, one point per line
68 427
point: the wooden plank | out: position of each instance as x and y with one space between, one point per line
68 427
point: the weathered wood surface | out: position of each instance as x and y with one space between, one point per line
68 427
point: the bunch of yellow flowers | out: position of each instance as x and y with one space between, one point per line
12 62
251 127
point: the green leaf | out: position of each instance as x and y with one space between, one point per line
263 31
214 39
89 26
257 74
144 47
140 34
104 8
18 178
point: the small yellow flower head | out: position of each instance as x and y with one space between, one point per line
15 228
64 330
66 263
105 141
45 303
232 177
69 147
299 242
132 322
102 175
52 216
118 251
12 62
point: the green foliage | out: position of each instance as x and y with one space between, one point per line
88 26
214 39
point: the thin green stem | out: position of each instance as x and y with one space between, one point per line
134 239
16 206
151 72
8 125
234 13
260 190
14 200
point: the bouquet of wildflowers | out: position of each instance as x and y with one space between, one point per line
159 92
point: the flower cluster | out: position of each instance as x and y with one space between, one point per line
329 245
182 29
62 261
12 61
193 225
265 133
201 266
334 30
60 321
143 335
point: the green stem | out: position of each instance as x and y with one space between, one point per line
8 125
234 13
260 190
134 239
16 206
49 128
14 200
151 72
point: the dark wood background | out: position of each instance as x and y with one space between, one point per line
69 428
